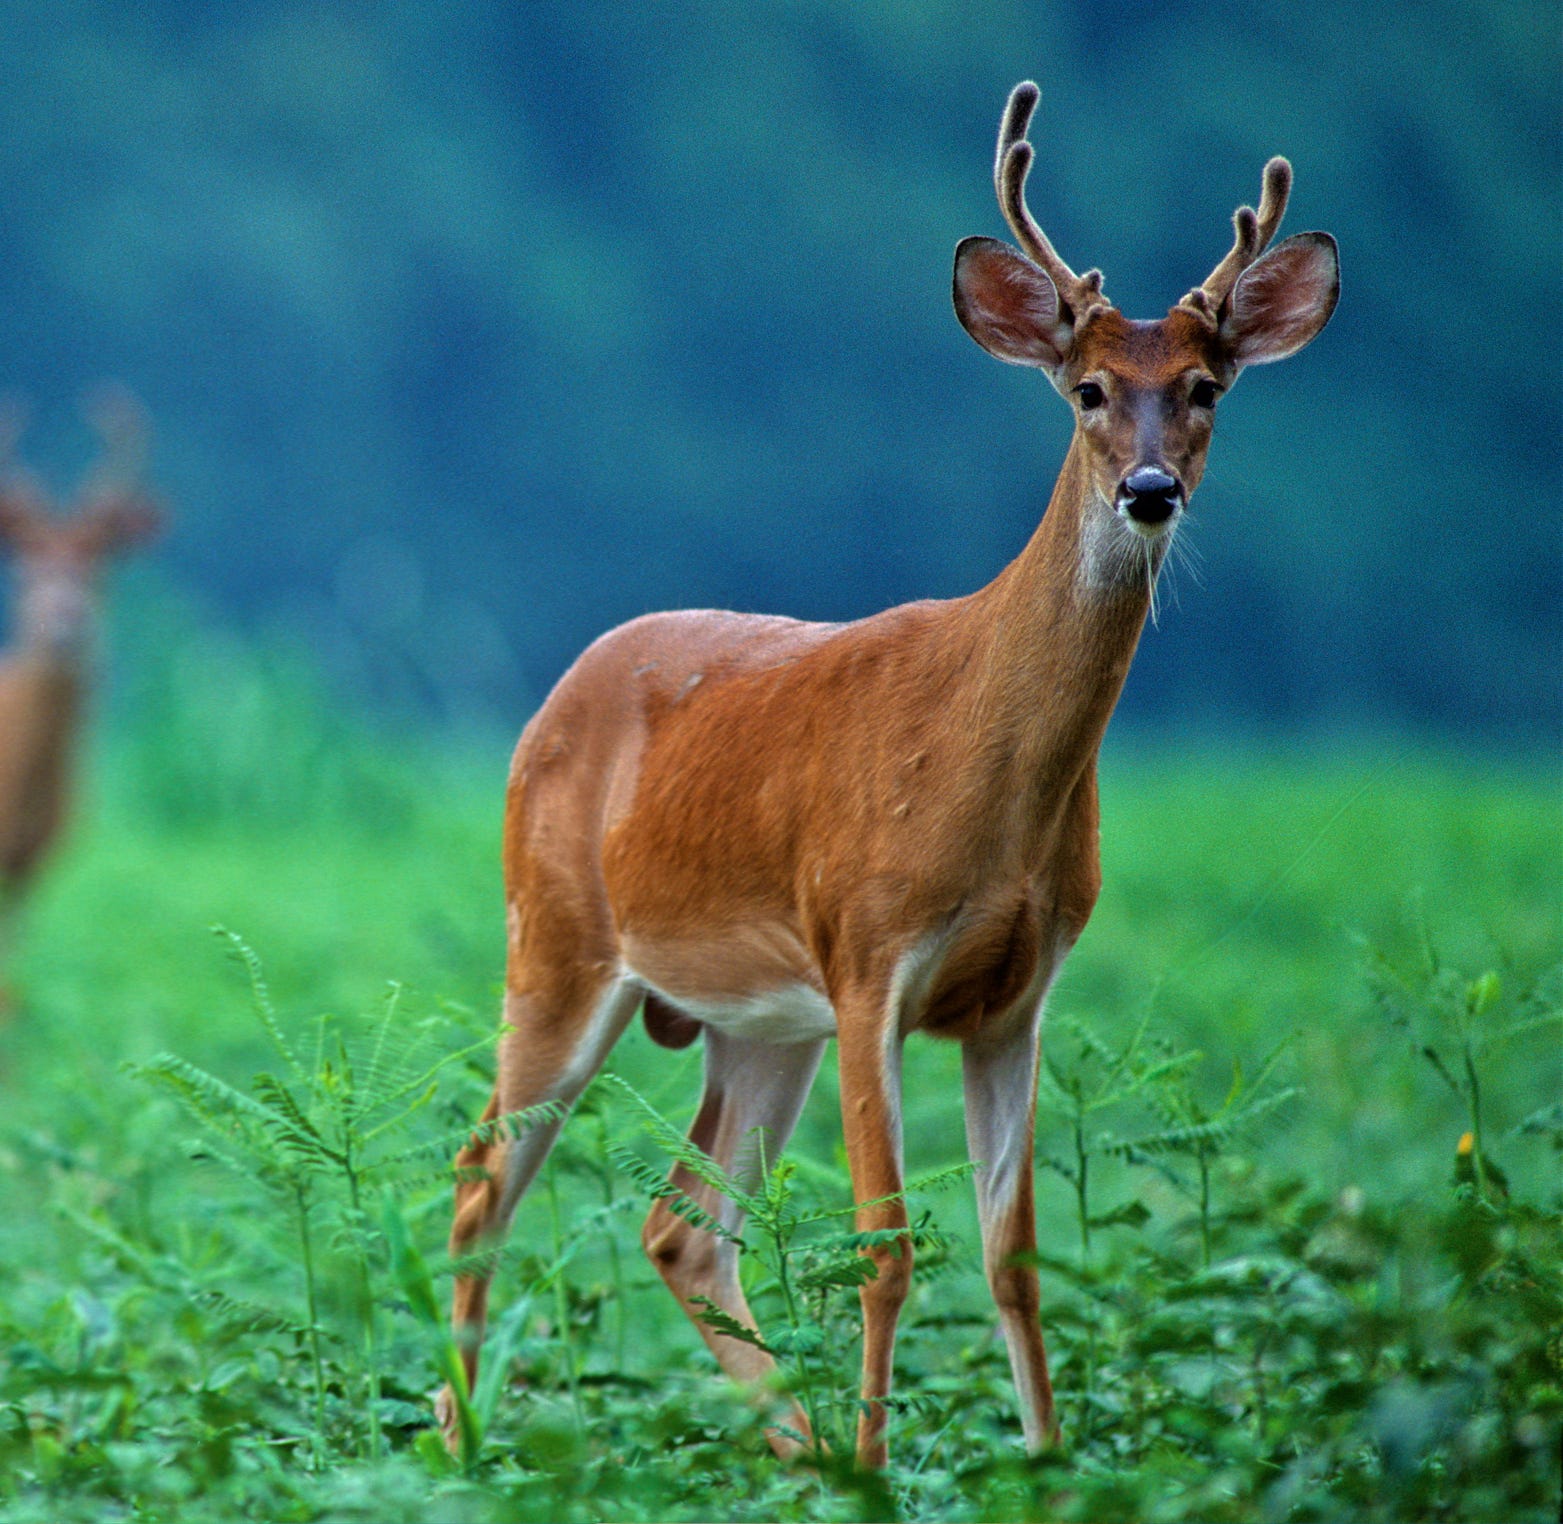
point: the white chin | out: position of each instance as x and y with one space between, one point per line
1152 532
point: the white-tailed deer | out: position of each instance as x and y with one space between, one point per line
44 670
770 833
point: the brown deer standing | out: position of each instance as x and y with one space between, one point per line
44 671
772 833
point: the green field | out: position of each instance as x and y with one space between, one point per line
1346 1330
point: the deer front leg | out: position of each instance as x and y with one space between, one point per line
1000 1077
870 1059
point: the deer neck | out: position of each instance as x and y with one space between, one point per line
54 626
41 699
1054 635
44 679
44 669
63 662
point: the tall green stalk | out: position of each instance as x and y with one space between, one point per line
1204 1206
778 1230
311 1304
1082 1192
615 1262
562 1300
366 1292
1473 1098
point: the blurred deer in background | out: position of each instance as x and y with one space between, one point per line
768 833
45 669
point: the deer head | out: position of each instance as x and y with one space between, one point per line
58 556
1144 392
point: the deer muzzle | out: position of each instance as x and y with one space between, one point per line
1150 496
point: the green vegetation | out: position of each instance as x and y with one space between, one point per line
470 330
1280 1280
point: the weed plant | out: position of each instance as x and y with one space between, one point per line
1301 1226
1321 1356
802 1269
330 1138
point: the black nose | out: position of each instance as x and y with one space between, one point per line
1150 495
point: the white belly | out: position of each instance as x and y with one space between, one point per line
791 1013
754 980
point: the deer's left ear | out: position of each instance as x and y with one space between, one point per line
1280 302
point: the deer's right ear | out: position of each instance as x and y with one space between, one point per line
120 522
1009 305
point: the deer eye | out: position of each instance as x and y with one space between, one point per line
1091 395
1204 392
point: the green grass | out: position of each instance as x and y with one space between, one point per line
1369 1340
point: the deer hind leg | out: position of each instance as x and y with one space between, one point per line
870 1059
753 1091
552 1051
1000 1079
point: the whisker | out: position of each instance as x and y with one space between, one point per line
1189 555
1167 576
1169 572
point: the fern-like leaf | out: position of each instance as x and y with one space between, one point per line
659 1188
839 1274
421 1085
511 1125
933 1181
260 997
725 1323
246 1316
211 1099
373 1079
289 1127
920 1235
694 1158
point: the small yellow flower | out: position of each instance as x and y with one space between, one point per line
1466 1144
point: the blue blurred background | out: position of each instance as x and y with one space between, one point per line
470 330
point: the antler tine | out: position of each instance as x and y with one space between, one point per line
1272 203
1011 164
23 506
13 424
1017 118
120 421
1254 230
116 509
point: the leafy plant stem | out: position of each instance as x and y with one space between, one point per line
562 1300
1204 1204
1260 1394
366 1291
780 1239
306 1249
1473 1098
615 1263
1082 1197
